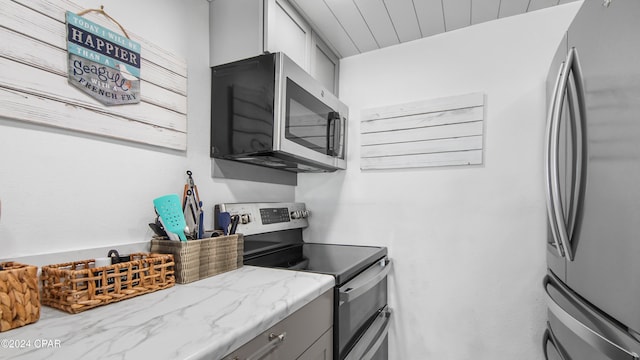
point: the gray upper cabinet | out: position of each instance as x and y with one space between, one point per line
287 32
244 28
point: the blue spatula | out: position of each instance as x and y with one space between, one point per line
169 207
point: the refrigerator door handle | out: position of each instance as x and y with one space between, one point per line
579 163
572 66
549 336
575 131
551 149
591 337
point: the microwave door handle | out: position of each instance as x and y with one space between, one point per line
352 293
329 144
337 135
331 120
550 150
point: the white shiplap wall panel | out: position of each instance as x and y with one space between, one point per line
422 133
423 146
426 119
375 14
34 61
421 107
45 111
438 132
27 79
457 158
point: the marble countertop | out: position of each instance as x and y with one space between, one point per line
205 319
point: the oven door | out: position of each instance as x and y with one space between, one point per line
311 121
361 301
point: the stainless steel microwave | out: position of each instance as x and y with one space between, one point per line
268 111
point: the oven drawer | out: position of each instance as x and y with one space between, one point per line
291 337
373 344
359 302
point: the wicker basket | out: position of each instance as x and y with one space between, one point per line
19 298
198 259
77 286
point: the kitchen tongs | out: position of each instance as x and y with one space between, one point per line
192 208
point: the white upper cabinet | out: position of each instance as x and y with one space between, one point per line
244 28
286 31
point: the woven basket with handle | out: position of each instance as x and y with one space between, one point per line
78 286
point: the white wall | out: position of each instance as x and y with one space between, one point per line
62 190
467 242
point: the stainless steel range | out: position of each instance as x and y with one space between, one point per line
273 238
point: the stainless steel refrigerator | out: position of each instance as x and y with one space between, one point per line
593 186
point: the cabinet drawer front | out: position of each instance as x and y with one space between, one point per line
289 338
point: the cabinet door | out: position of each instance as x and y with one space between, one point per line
286 31
235 30
324 64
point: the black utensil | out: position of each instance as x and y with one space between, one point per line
157 229
234 224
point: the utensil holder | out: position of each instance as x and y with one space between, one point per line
19 297
78 286
199 259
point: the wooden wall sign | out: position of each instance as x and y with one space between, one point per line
436 132
35 88
103 64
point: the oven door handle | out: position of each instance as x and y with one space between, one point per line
362 286
362 350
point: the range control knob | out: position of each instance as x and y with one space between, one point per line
300 214
245 219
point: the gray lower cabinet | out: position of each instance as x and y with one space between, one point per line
307 334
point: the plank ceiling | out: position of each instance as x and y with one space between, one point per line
356 26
